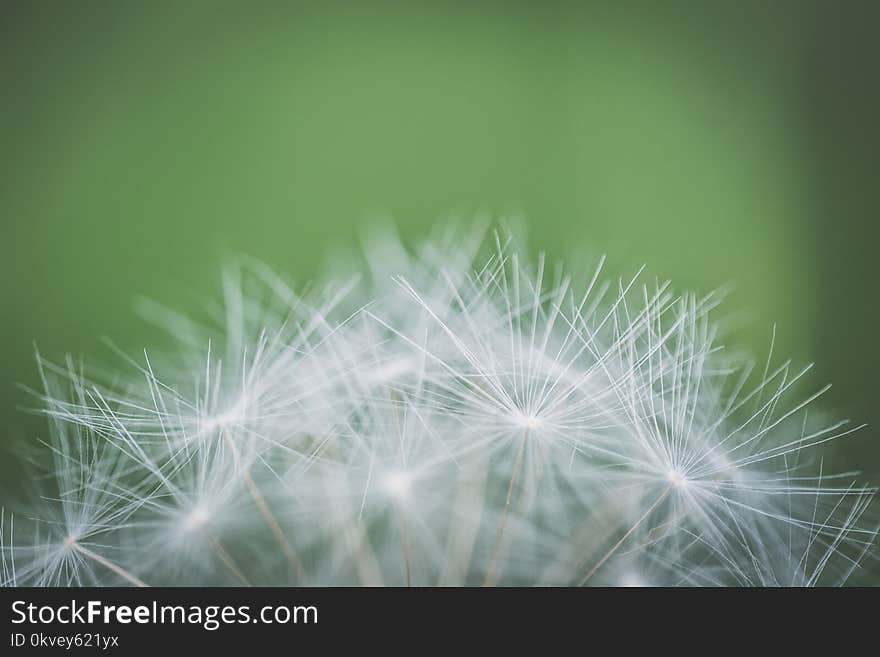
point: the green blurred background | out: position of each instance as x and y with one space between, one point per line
142 143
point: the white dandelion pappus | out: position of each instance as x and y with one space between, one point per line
446 419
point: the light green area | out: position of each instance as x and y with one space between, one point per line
144 145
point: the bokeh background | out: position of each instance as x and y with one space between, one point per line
141 143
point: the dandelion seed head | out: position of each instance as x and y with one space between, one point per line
232 416
391 370
458 415
196 519
398 483
632 580
677 479
527 422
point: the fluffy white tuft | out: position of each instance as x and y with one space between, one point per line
445 419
